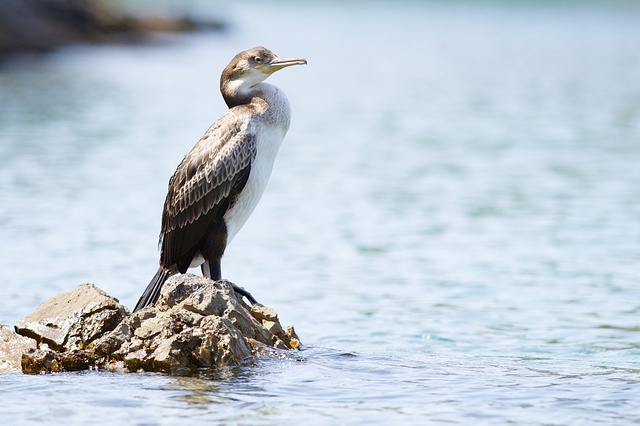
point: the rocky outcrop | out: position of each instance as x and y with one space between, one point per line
196 323
46 24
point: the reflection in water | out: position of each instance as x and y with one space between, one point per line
207 388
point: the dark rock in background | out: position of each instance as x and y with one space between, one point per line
42 25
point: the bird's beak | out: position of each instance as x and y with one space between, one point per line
279 63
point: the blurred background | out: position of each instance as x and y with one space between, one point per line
457 200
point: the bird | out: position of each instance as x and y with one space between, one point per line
219 182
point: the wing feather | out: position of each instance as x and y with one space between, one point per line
216 168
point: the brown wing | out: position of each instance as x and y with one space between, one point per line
214 171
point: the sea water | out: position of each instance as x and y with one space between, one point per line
452 225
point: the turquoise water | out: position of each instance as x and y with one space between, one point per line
452 226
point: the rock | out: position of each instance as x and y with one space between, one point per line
41 25
12 346
73 320
46 360
196 323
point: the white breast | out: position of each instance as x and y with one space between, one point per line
269 139
269 126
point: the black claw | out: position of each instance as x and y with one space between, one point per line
242 292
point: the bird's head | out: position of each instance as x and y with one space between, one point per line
253 66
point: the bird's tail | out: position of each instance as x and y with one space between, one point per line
152 291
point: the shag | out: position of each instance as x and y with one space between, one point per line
220 181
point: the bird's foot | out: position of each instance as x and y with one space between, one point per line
244 293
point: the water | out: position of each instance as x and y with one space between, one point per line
453 223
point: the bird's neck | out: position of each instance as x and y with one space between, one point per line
240 92
265 100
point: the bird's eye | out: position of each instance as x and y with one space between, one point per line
258 59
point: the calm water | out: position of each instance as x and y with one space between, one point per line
453 224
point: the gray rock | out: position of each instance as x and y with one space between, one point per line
12 346
71 321
196 323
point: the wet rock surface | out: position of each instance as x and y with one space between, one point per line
73 320
12 346
196 323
